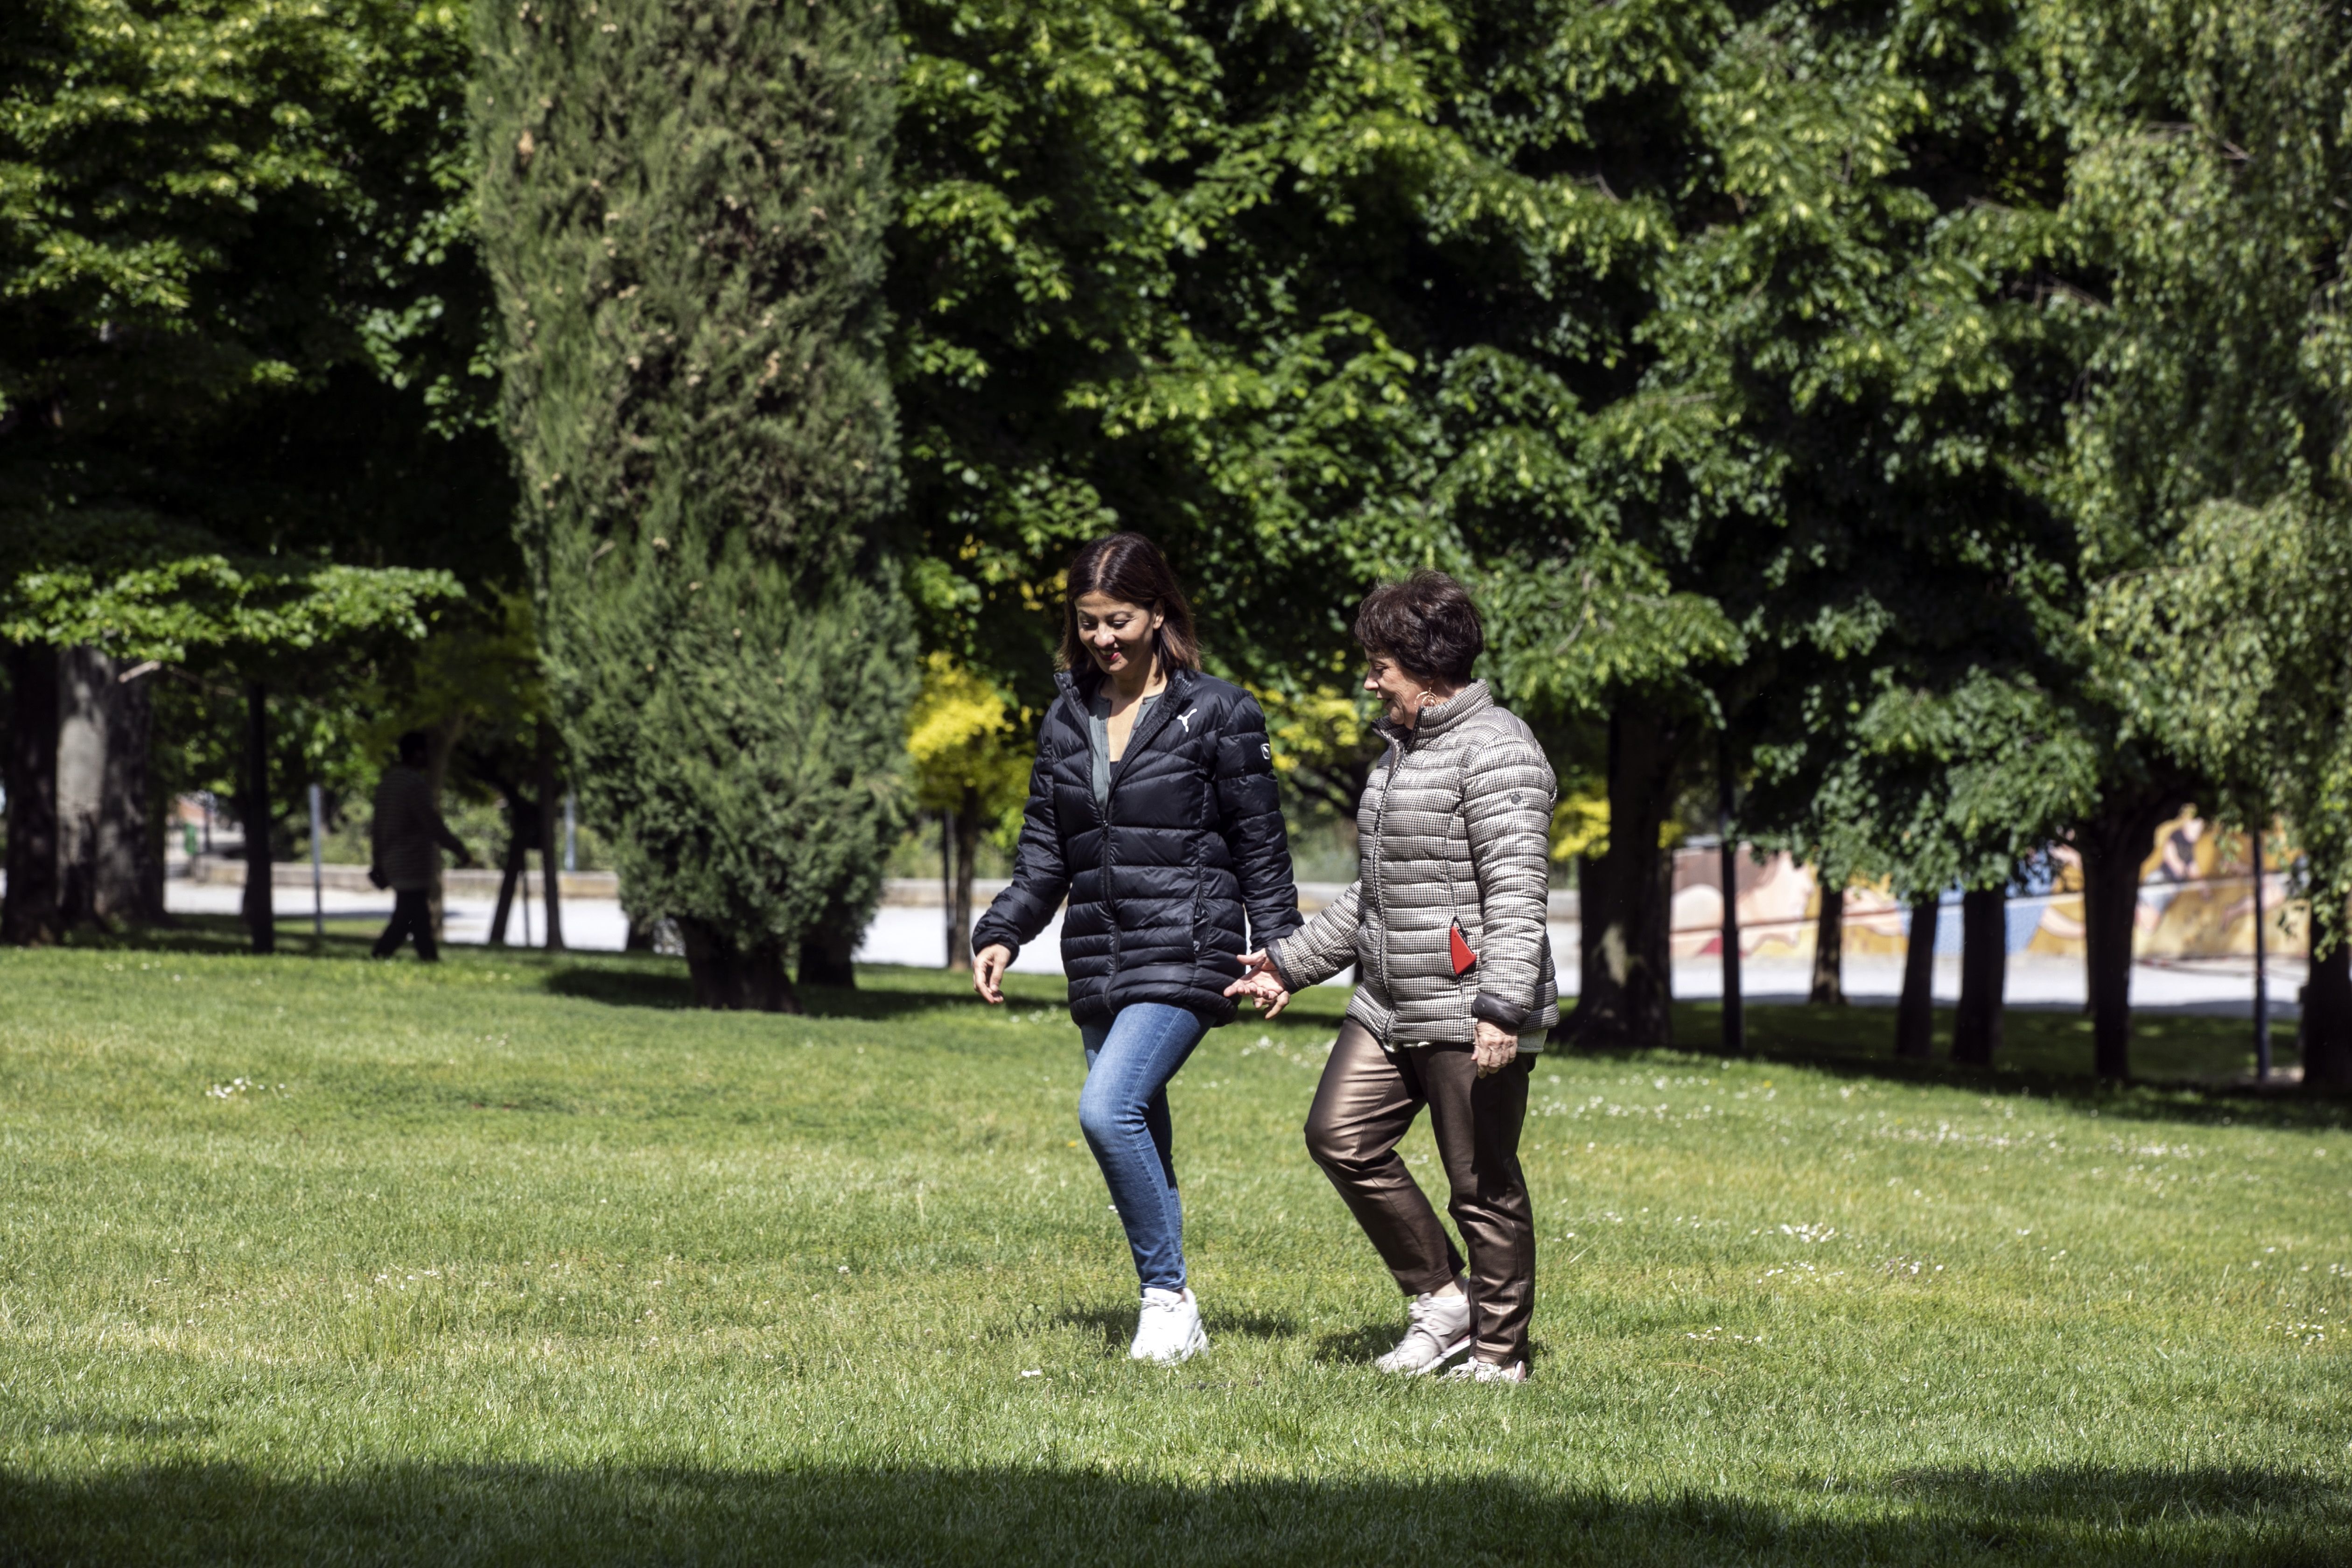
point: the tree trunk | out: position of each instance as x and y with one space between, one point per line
105 727
510 876
1627 983
253 806
825 952
947 894
734 979
156 829
124 844
1984 975
1829 946
30 914
2328 1017
639 938
1914 1013
967 850
551 849
84 729
2113 843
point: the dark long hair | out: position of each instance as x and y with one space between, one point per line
1129 568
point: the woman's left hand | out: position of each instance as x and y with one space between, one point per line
1493 1048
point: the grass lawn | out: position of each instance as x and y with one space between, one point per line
519 1260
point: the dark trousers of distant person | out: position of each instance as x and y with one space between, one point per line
412 915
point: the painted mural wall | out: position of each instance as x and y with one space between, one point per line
2195 900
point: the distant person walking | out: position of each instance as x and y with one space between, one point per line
1445 923
406 843
1152 807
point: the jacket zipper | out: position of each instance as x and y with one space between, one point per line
1379 895
1110 792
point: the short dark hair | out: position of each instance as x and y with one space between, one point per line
414 746
1129 568
1427 624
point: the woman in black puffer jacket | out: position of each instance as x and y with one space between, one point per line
1152 808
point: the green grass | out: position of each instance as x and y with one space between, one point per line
521 1260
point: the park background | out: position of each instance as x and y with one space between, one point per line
1898 448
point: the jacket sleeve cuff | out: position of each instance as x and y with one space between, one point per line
1497 1012
987 936
1273 956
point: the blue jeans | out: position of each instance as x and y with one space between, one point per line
1123 1111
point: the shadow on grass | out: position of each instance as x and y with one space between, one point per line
222 936
190 1513
2038 1059
618 987
1354 1347
1116 1325
881 995
883 992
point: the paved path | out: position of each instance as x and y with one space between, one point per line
916 936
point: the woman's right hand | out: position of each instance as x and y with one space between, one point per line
988 966
1261 982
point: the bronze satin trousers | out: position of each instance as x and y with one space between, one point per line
1367 1099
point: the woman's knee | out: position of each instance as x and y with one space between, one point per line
1106 1118
1328 1145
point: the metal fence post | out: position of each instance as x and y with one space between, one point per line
317 871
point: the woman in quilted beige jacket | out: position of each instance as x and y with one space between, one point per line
1455 987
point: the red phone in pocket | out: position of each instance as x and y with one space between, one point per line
1464 959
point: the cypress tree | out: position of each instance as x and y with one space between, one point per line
683 202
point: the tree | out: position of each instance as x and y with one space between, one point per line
1829 940
237 288
143 592
1819 504
2210 460
972 755
684 207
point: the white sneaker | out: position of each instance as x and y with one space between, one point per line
1440 1331
1168 1329
1476 1371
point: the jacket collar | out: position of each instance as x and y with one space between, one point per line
1473 698
1174 699
1080 686
1078 690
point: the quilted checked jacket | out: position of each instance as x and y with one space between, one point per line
1454 833
1186 868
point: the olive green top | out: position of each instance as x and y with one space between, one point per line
1099 728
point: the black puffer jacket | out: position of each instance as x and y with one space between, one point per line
1158 882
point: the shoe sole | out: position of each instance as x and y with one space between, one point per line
1193 1347
1448 1353
1198 1343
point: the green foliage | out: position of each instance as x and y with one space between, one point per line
1875 342
2211 460
1226 274
968 746
204 198
1573 635
1724 347
146 590
242 331
684 207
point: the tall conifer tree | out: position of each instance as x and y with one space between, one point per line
683 202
